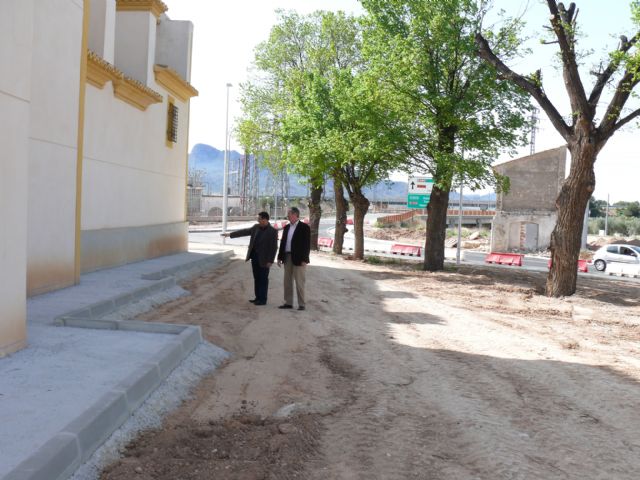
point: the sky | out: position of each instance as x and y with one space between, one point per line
226 33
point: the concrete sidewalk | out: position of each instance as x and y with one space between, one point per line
84 370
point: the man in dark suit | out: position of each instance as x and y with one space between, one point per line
295 246
262 252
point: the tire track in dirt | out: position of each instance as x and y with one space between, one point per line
507 411
485 387
383 379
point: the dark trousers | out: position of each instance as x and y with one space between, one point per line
260 279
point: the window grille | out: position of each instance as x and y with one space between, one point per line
172 123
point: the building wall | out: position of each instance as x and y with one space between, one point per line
526 215
101 30
53 139
508 228
535 181
134 181
135 44
16 37
130 175
173 46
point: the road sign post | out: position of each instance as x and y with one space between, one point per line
419 192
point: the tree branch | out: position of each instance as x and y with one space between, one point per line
485 52
560 19
605 76
620 97
625 120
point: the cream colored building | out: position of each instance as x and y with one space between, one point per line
95 100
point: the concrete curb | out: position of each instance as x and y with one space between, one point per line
159 281
59 457
73 446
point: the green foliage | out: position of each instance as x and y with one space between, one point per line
597 208
628 209
464 232
626 226
314 104
450 102
374 260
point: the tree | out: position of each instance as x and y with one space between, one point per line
597 207
265 100
328 114
628 209
585 133
339 120
457 116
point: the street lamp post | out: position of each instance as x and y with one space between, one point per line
458 244
225 180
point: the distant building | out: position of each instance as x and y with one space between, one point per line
526 215
95 100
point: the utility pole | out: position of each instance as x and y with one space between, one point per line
534 127
606 218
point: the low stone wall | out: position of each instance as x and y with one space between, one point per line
400 217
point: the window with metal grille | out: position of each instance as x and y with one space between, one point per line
172 123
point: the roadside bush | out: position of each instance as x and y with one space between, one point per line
373 260
625 226
453 232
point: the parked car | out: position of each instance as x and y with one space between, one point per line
615 253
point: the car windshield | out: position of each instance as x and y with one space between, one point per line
635 248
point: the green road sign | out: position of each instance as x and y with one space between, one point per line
417 201
419 192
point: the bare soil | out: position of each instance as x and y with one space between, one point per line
393 373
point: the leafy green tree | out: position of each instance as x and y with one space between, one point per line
586 132
457 117
597 207
266 99
628 209
329 113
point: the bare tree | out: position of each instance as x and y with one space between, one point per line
584 133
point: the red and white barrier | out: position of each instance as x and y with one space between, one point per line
504 258
410 250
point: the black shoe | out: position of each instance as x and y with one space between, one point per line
254 300
286 305
301 308
259 303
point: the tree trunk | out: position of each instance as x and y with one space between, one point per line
342 207
571 205
436 229
360 208
315 212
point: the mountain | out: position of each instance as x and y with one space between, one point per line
208 161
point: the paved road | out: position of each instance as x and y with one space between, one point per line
382 247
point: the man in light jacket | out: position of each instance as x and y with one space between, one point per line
295 247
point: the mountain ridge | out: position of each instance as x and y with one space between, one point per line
209 162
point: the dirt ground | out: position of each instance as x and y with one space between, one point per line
394 373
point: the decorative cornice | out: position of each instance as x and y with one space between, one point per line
99 71
174 83
156 7
135 93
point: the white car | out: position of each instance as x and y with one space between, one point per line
616 253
